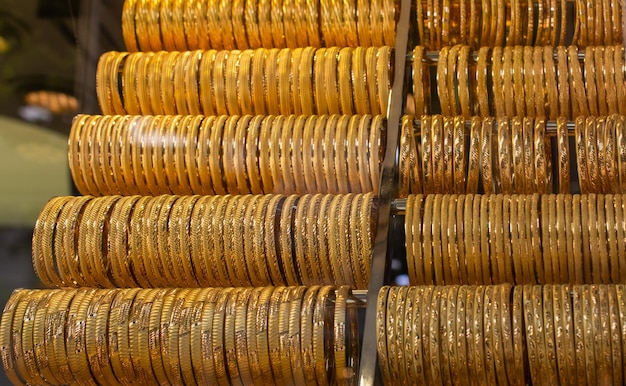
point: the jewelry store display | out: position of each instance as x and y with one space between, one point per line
259 168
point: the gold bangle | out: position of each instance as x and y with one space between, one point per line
518 80
265 23
218 336
447 155
427 250
308 158
304 82
329 170
418 80
345 80
619 220
371 74
424 315
294 84
339 153
505 157
437 146
331 80
614 333
437 259
442 81
352 150
576 307
284 79
381 331
605 263
319 74
414 215
481 82
218 82
591 143
486 155
311 227
539 87
563 155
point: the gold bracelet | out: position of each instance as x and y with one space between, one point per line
605 263
539 84
486 155
481 82
319 74
518 80
331 80
505 157
424 314
591 143
619 220
563 155
447 155
442 81
345 80
615 337
339 153
437 147
294 83
284 78
329 170
304 82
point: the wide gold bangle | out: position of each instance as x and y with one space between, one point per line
319 75
331 80
345 80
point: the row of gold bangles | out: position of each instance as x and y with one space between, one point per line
525 239
205 241
195 154
494 23
521 81
301 81
493 156
263 335
155 25
512 155
552 334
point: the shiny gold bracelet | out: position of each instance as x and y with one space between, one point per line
467 110
427 245
591 143
331 80
486 155
230 352
447 155
615 339
352 150
435 320
437 148
481 82
231 76
474 158
319 74
165 82
528 81
345 80
602 241
442 81
518 80
505 156
294 83
220 72
419 88
306 68
563 155
284 78
619 218
452 83
539 88
425 311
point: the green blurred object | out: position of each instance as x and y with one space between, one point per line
33 168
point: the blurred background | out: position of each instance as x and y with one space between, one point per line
49 50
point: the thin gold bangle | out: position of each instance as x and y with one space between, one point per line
452 83
619 219
437 146
529 93
486 156
442 81
481 82
284 78
447 155
615 336
518 79
591 144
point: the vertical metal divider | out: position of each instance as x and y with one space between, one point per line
368 371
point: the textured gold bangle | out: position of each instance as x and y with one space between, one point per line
391 333
428 236
505 157
442 81
614 333
447 155
229 337
308 156
591 143
371 74
206 337
605 263
270 235
424 314
619 220
217 339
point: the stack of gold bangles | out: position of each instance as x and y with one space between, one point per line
494 23
194 154
205 241
538 239
263 335
552 334
155 25
452 155
273 81
522 81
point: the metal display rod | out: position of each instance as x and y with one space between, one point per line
388 191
